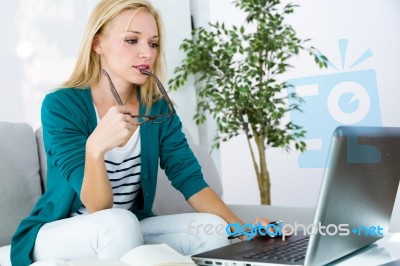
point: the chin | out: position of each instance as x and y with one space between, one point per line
138 81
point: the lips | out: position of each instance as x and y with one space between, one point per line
144 67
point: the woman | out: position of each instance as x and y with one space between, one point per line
103 149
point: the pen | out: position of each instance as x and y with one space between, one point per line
254 229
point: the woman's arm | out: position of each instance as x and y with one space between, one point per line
206 200
96 192
113 130
184 172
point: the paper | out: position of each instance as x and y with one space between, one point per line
155 255
145 255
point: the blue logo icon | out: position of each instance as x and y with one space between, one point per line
348 97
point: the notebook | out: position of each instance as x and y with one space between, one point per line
354 207
144 255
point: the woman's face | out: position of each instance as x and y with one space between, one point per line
131 44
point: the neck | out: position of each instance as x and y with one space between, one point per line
103 95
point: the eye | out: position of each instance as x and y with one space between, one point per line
153 44
132 41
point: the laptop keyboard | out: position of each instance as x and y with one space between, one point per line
290 252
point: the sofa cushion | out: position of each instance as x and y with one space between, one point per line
19 176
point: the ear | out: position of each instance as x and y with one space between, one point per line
97 45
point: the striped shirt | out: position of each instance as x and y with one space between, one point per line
123 165
123 169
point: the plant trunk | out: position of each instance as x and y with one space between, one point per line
264 184
265 187
260 167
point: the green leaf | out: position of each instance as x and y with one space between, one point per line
241 70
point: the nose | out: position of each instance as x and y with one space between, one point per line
145 51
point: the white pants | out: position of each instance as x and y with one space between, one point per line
109 234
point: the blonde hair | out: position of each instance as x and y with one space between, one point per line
87 70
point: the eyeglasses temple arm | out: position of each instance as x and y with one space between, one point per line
113 90
160 87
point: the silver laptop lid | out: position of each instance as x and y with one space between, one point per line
358 192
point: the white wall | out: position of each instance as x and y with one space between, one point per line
366 25
40 42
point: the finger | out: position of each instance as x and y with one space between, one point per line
128 118
131 121
125 110
268 224
262 221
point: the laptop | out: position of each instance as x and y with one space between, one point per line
354 207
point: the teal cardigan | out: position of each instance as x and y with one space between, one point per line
68 119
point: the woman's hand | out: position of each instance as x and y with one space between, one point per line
275 229
255 230
113 130
261 227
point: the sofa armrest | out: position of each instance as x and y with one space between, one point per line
19 176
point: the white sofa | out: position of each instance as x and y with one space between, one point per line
23 179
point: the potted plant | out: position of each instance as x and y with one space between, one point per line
238 80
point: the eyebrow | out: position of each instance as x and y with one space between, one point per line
138 32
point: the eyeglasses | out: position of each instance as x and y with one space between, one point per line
141 119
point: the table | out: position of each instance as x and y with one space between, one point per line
383 251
